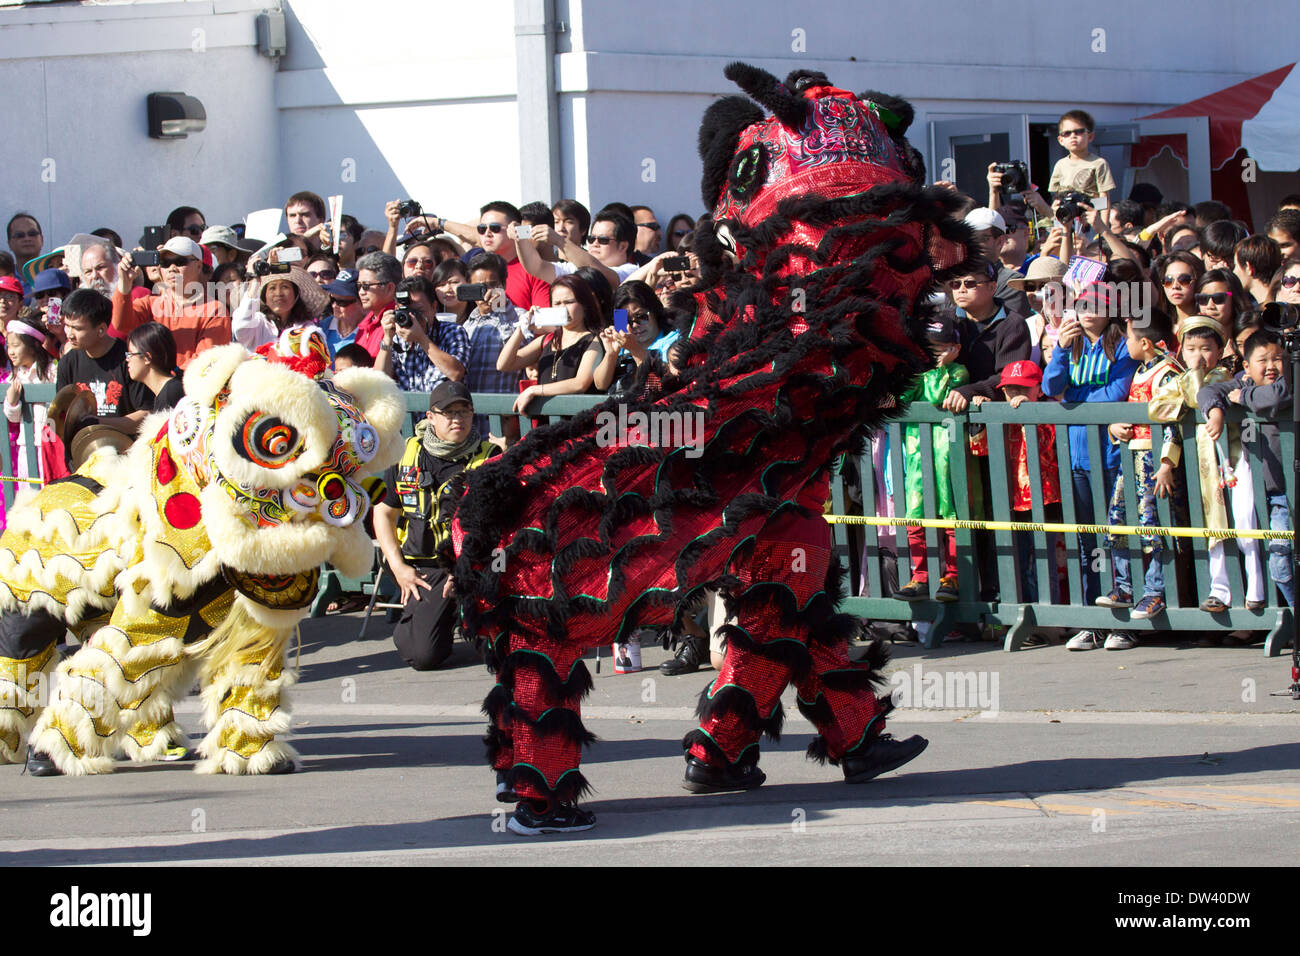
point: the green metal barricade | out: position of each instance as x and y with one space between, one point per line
866 549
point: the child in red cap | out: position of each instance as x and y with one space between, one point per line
1022 382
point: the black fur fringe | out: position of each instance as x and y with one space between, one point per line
740 703
570 788
748 757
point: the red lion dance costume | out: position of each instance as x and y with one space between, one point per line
823 247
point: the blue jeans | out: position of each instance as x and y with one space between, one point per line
1083 514
1280 567
1153 583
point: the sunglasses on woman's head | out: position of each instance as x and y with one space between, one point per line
485 227
1218 298
1181 279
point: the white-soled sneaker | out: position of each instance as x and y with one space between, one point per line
1120 641
1084 641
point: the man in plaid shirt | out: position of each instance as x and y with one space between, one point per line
488 325
428 351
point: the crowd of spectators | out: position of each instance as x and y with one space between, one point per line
552 299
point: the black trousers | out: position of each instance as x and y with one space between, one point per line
426 628
26 635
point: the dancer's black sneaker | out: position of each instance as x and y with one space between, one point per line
504 793
691 656
559 818
706 778
881 756
40 764
283 765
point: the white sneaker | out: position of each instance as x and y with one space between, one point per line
1084 641
1120 641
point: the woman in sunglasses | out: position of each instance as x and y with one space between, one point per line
679 227
1285 286
1177 275
1219 296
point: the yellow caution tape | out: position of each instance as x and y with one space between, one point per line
30 481
1117 530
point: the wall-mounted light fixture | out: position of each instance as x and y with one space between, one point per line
175 115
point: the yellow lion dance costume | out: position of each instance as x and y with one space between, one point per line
197 551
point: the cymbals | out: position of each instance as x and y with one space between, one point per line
92 438
68 407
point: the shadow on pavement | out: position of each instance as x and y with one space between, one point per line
646 816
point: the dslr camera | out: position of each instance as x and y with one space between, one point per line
1280 318
403 316
263 268
1015 177
1072 206
409 209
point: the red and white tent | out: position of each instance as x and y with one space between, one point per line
1261 115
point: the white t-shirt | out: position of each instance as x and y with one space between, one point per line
623 271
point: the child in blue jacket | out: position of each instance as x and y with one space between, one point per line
1091 364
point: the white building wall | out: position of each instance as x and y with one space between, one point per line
76 151
381 99
389 99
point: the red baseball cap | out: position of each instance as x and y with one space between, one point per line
10 284
209 259
1023 372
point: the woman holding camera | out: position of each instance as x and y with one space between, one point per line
566 358
647 339
448 276
283 300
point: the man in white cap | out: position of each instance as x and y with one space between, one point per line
989 228
196 322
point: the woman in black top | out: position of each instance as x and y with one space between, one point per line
566 358
151 361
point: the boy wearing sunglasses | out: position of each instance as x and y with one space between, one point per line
1081 170
494 234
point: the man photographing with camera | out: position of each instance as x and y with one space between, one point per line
195 321
417 350
410 529
494 234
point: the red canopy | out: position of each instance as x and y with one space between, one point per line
1227 110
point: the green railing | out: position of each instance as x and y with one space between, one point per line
861 549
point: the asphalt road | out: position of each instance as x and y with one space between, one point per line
1167 754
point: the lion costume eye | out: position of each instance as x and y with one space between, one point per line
748 170
267 441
